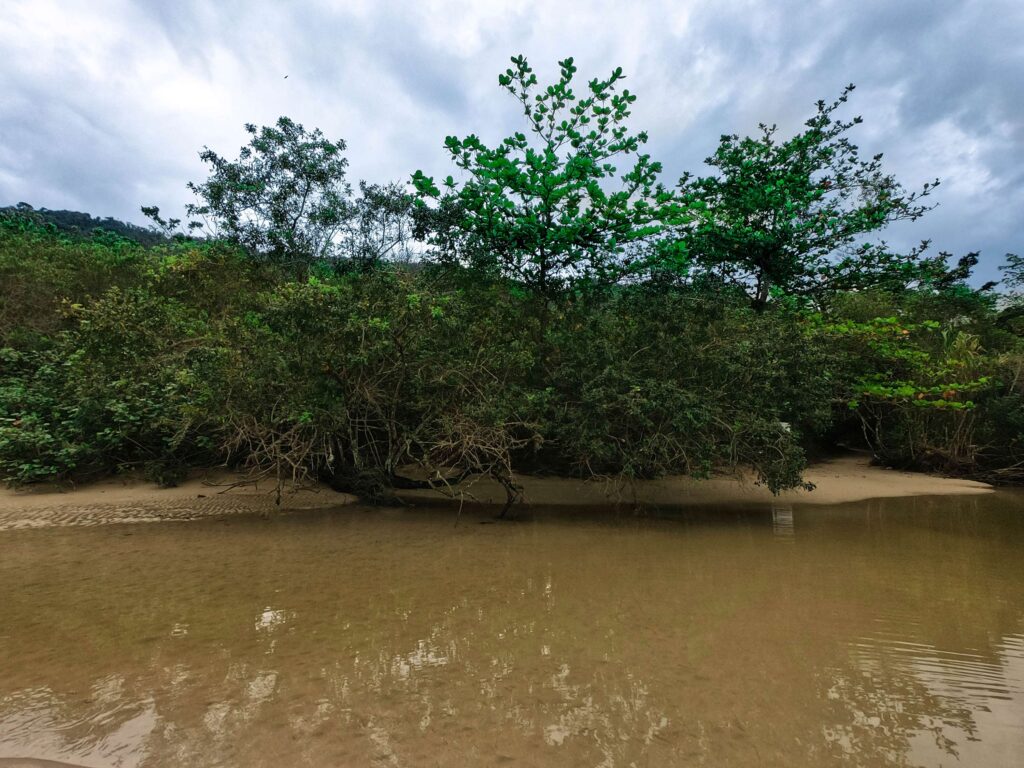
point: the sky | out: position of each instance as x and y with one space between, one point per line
105 104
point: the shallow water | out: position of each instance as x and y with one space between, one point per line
872 634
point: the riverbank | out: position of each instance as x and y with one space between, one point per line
132 500
840 480
121 500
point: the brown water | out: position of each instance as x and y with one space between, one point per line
887 633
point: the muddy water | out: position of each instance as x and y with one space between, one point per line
887 633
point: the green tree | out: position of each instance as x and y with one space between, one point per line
1012 315
790 216
545 207
1013 275
285 199
380 228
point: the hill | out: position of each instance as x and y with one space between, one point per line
78 224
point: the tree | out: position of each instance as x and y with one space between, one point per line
1013 275
786 216
284 200
379 228
543 207
1012 300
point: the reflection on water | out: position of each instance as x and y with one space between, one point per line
782 521
882 633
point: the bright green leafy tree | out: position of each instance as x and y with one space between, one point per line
790 217
546 207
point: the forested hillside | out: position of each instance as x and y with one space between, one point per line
83 225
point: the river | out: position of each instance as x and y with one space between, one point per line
881 633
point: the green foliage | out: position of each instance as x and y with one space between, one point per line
193 353
651 382
112 392
546 207
1013 275
788 217
379 228
366 378
44 271
34 419
283 200
923 390
76 225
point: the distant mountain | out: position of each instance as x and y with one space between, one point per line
78 224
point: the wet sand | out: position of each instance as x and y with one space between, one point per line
839 481
130 500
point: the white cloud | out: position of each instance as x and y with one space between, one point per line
106 103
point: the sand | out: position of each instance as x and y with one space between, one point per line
838 481
131 500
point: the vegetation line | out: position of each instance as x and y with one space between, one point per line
555 308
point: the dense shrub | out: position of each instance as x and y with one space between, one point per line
189 354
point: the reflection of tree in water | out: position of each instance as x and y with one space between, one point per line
382 705
395 696
99 725
948 570
876 709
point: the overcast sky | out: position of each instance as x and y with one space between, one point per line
104 104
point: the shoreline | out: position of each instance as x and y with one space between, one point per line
841 480
216 494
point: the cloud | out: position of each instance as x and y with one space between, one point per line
107 102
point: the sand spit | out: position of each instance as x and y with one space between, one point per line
847 479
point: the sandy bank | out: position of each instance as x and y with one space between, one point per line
838 481
112 501
120 500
